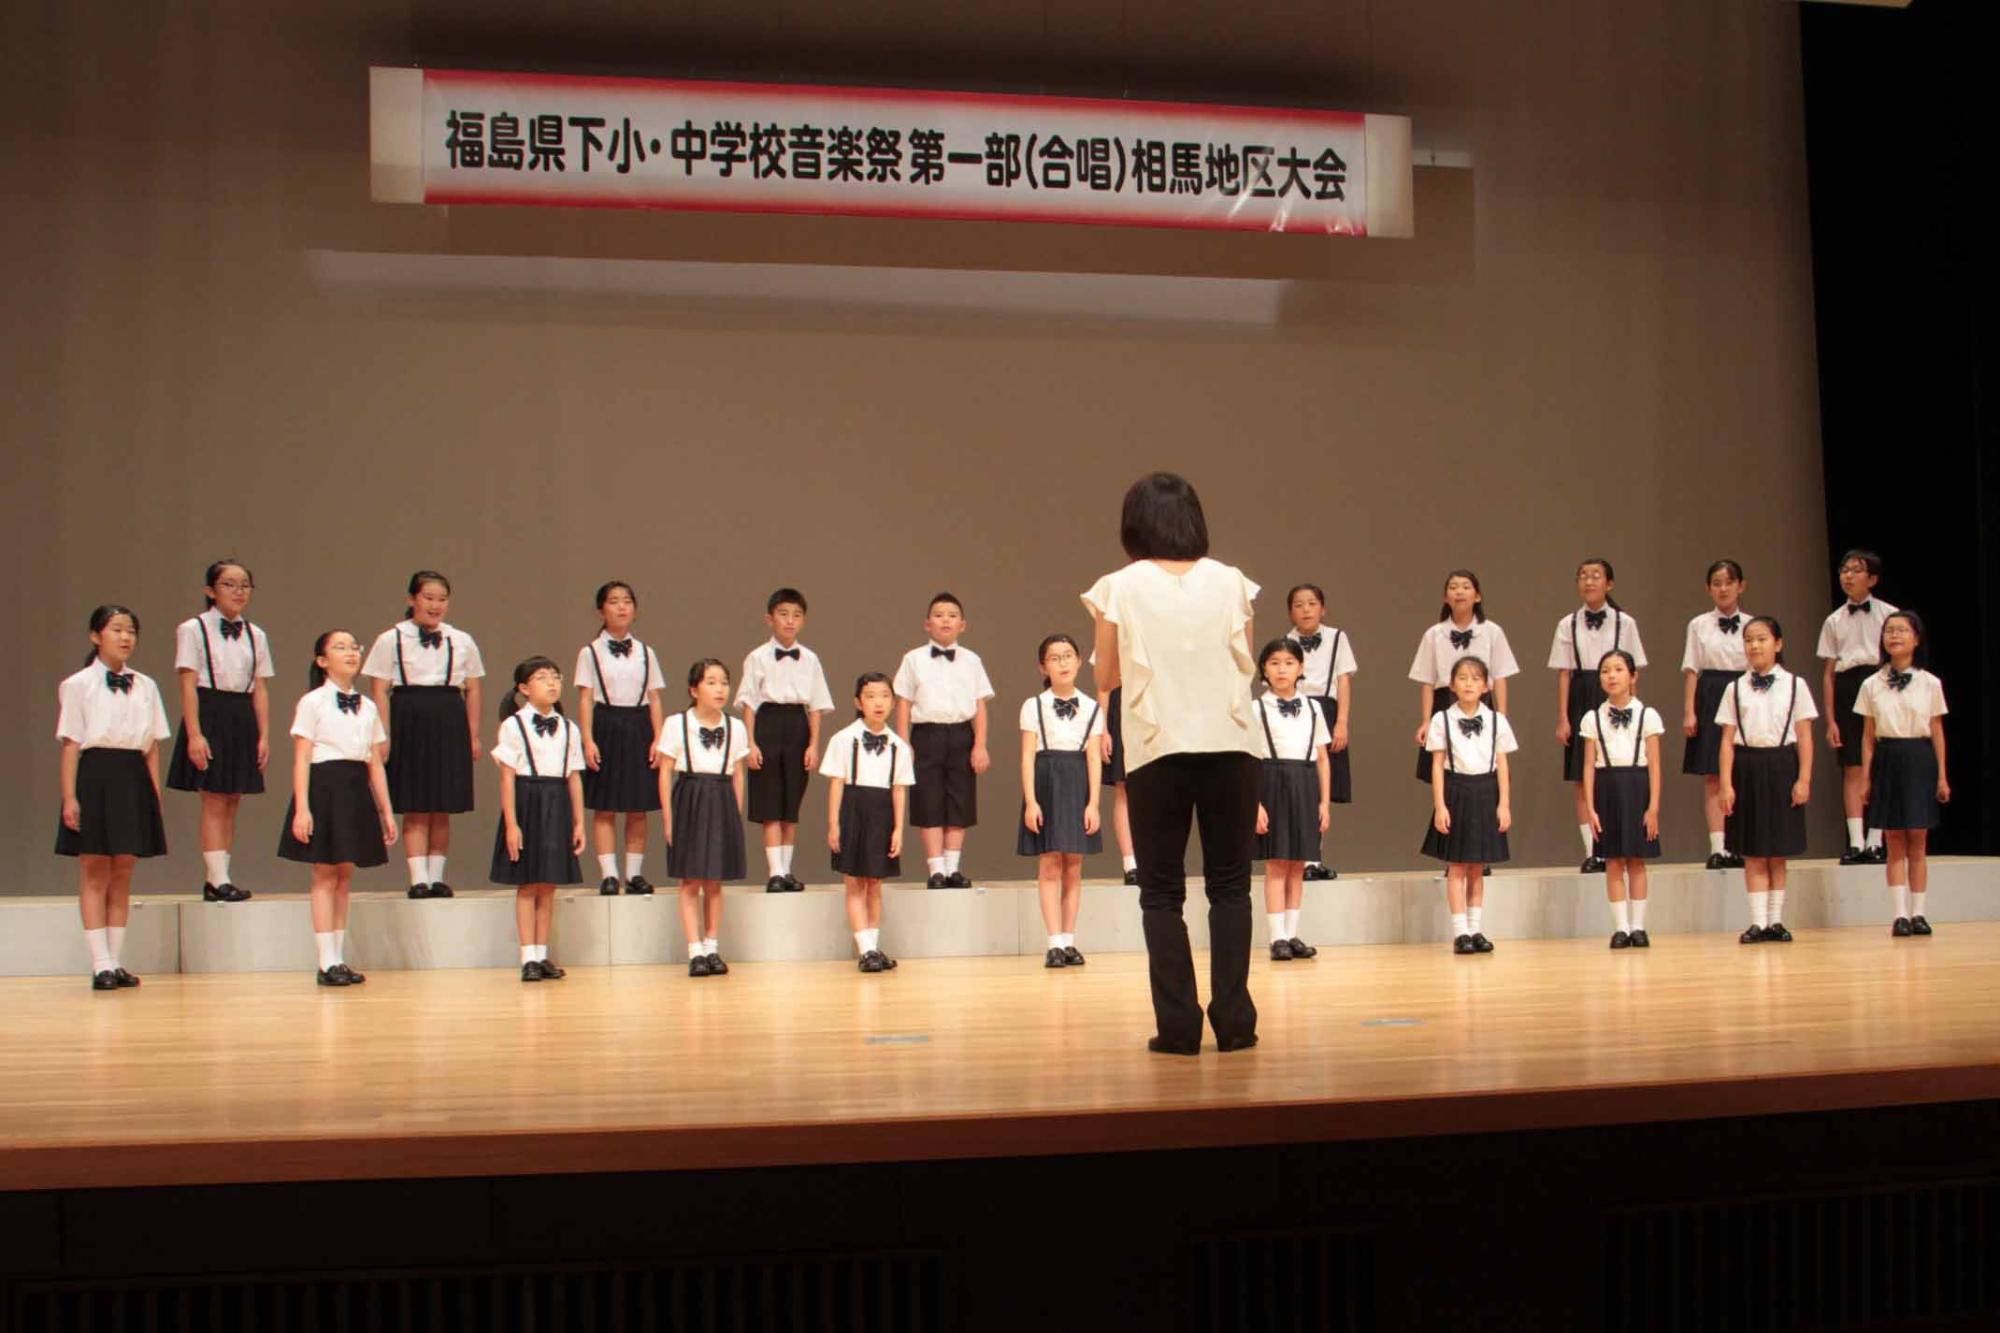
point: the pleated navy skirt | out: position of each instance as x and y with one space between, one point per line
229 725
1766 823
346 826
1703 754
625 779
1585 693
867 822
548 828
1340 767
1620 799
1473 801
118 808
1290 796
1846 689
430 751
1062 789
1902 785
708 829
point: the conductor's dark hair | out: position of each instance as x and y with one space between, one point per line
1042 652
1735 570
1922 656
699 669
214 572
1871 561
315 673
1162 519
864 680
1298 588
103 616
605 592
1476 663
524 670
944 598
1478 607
417 582
782 596
1284 643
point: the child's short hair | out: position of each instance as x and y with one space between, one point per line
1734 570
604 592
1631 662
944 599
1162 519
1284 643
1298 588
417 582
781 597
1869 560
1476 663
1478 607
700 669
864 680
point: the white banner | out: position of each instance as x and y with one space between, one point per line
456 137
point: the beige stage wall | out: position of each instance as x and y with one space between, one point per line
1600 343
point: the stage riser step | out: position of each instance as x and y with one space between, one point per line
273 932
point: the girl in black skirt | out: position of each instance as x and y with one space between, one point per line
1462 630
870 769
1470 811
225 738
1294 802
339 816
701 788
1582 639
540 754
1061 768
1713 658
1621 738
1902 755
618 684
431 673
110 724
1328 678
1766 780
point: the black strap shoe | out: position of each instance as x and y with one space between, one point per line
698 965
608 886
776 884
420 891
531 971
1718 861
1281 951
1481 943
211 894
441 891
331 976
957 880
1131 879
1854 856
353 978
1054 958
1071 958
793 884
1751 935
1592 865
1300 949
125 979
106 980
1775 933
1621 939
1901 929
550 972
1919 926
936 882
1731 861
872 961
1463 944
1641 940
716 967
638 887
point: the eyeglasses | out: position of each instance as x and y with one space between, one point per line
232 585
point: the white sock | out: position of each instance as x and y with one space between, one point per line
1459 925
437 867
1917 902
868 940
100 951
527 954
936 864
1069 939
329 953
1638 913
1313 865
1777 906
1055 942
541 953
695 950
785 858
1472 915
1715 843
217 865
1292 923
1874 838
774 861
709 945
1131 863
607 862
340 945
1853 833
1589 839
420 871
1760 908
1277 920
951 861
114 936
1902 896
634 863
1621 916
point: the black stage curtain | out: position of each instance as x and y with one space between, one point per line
1899 133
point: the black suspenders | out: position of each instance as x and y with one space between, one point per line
528 746
854 764
1312 728
1451 760
687 744
1576 636
645 675
450 649
1042 725
208 652
1332 670
1792 706
1638 736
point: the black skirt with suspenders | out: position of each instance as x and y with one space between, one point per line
1290 796
1620 796
430 743
1586 692
1765 822
1062 789
1473 802
1441 699
624 780
229 725
548 824
1341 770
708 826
867 823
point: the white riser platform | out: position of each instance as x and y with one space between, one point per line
273 932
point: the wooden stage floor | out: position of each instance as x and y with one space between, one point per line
199 1079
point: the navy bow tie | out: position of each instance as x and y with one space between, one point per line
1729 624
619 647
430 638
874 742
231 629
1461 638
118 682
1898 680
545 726
1758 682
1290 707
1860 608
780 654
711 738
347 703
1066 708
948 654
1471 726
1309 642
1621 717
1594 619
